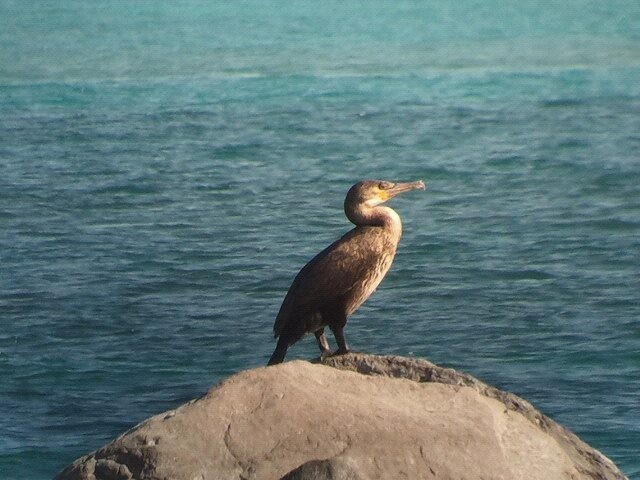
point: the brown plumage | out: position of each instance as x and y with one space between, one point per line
340 278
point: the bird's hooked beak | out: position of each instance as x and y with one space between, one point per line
403 187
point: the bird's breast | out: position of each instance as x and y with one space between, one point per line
366 285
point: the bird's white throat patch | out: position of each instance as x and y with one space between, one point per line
373 202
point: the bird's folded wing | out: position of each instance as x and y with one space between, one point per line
330 276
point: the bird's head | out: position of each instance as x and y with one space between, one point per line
371 193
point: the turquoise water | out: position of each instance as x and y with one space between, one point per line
166 169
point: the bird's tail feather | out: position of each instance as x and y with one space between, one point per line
280 352
277 356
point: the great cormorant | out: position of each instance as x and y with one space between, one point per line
340 278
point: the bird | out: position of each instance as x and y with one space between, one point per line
342 276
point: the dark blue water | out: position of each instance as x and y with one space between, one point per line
166 170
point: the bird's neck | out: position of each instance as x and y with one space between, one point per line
378 216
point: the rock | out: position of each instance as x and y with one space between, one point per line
336 468
356 417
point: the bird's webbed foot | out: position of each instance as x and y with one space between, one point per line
324 354
328 354
342 342
341 352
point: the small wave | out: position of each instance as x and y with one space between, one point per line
562 102
572 143
5 214
505 160
525 274
128 189
607 224
614 224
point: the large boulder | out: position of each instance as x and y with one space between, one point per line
354 417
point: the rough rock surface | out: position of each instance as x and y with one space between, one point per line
368 417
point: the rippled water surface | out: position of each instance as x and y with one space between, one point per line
165 171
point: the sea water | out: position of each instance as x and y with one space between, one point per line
167 167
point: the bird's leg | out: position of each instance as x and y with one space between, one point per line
323 343
338 332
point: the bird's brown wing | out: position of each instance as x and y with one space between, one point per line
329 277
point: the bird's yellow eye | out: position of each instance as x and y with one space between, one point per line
385 185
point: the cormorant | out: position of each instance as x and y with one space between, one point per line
340 278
